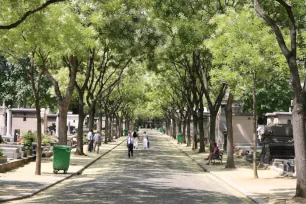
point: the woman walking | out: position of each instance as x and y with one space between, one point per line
145 140
135 135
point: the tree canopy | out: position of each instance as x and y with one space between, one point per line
133 60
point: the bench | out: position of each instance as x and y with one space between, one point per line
219 159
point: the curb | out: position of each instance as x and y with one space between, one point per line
63 179
248 195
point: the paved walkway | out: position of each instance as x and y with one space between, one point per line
23 182
161 174
268 188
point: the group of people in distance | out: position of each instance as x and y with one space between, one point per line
132 142
94 141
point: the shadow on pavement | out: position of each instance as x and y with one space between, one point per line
161 174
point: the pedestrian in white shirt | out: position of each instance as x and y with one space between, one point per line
90 140
130 144
97 141
135 136
145 141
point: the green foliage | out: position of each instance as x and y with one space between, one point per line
29 137
1 152
274 95
140 92
85 140
46 139
242 45
15 88
159 36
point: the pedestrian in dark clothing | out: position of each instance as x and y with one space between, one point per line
130 144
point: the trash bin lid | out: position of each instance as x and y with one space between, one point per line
61 147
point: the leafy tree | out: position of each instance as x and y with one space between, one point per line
241 47
184 27
124 36
15 88
54 50
284 13
268 95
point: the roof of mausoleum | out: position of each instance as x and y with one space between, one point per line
278 113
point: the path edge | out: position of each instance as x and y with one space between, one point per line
63 179
204 167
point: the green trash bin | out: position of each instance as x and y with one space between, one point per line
61 158
180 138
126 132
164 131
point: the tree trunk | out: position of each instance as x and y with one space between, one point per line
128 124
195 129
168 127
62 130
212 129
35 91
110 128
106 128
99 128
180 123
298 120
173 128
188 131
201 126
184 130
254 128
79 149
63 102
230 140
91 119
117 127
38 147
125 124
120 126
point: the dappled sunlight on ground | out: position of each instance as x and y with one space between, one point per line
160 174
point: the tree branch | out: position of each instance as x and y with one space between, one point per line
272 23
72 76
291 23
220 96
54 82
28 13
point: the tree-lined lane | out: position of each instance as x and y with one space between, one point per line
161 174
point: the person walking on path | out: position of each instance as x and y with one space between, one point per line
130 144
90 140
214 155
135 136
97 141
145 140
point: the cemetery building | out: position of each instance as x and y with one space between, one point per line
279 118
242 125
18 121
